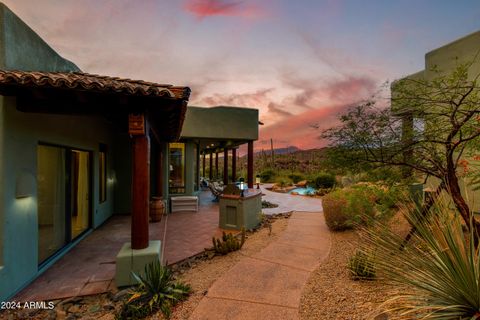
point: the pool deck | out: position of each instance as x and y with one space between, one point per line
287 202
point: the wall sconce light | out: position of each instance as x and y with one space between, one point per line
25 186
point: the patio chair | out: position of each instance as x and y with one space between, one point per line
216 191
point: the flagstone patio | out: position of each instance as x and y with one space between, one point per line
89 267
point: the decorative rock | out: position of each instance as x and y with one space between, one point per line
120 295
109 306
301 184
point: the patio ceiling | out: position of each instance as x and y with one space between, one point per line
79 93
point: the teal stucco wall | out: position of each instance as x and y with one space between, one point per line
20 134
221 123
22 49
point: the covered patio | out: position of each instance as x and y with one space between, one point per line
89 268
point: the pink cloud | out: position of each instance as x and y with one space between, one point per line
207 8
302 130
299 118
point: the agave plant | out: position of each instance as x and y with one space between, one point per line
157 291
439 268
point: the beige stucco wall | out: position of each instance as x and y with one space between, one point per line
444 60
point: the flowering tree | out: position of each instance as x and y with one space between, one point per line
433 128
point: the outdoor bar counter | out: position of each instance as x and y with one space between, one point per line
237 211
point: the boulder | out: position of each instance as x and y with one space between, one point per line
302 184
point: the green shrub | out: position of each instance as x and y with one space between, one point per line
323 181
345 208
361 266
157 291
296 177
267 175
283 182
386 198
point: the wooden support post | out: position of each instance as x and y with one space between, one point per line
250 165
140 191
203 166
225 166
216 165
234 165
160 173
210 173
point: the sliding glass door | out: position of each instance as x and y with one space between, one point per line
64 183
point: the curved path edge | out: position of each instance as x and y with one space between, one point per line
269 284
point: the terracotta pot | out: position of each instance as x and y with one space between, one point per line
157 209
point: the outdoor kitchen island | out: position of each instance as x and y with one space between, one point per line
240 210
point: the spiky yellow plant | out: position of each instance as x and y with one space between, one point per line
439 267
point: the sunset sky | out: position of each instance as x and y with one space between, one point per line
301 63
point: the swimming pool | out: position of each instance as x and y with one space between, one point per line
303 191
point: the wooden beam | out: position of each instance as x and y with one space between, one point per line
140 191
250 165
225 166
234 165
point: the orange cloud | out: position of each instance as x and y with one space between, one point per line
207 8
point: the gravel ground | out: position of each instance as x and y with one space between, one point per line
330 293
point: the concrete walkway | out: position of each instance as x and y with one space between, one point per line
287 202
268 284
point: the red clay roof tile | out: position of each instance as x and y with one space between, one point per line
91 82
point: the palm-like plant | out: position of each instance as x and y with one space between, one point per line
157 290
440 267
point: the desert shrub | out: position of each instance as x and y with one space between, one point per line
283 182
386 198
323 181
345 208
296 177
361 266
334 210
228 243
267 175
157 291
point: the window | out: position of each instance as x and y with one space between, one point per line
102 165
177 168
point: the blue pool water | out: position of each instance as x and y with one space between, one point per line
303 191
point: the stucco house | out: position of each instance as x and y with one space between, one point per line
438 62
76 148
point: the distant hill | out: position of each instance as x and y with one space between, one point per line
287 150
